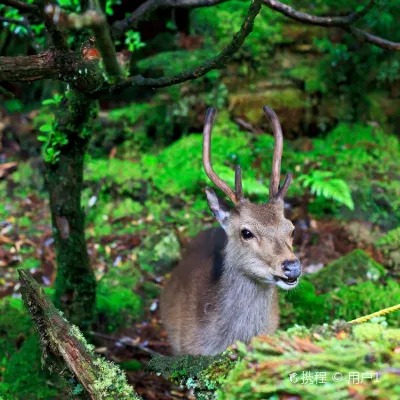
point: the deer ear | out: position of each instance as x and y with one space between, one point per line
218 208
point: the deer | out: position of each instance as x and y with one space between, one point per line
225 288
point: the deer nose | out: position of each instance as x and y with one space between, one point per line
292 269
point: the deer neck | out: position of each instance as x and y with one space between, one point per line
245 305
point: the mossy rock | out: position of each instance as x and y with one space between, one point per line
353 268
289 103
116 302
160 252
389 245
304 306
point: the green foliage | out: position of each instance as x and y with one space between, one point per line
217 25
21 374
389 245
24 377
173 173
324 184
110 4
133 41
304 306
116 301
159 252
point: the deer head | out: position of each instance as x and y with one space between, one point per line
260 238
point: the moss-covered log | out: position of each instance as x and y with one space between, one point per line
64 345
75 283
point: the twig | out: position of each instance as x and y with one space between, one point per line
218 62
5 92
150 6
125 343
343 22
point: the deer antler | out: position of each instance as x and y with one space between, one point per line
275 191
234 196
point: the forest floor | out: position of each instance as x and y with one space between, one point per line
26 242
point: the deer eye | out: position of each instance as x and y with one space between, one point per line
246 234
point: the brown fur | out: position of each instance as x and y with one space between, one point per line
223 290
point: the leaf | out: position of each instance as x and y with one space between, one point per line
42 138
46 128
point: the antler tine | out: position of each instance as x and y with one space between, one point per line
275 191
238 183
211 112
283 190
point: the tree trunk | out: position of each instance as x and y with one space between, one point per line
75 283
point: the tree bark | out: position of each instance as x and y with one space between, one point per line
75 283
63 344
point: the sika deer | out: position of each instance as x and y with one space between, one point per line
225 287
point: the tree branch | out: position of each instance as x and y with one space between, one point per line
218 62
57 37
375 40
68 67
147 8
21 6
95 20
67 346
316 20
343 22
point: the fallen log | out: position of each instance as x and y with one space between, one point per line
65 349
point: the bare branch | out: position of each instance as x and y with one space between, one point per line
316 20
218 62
343 22
375 40
21 6
97 22
52 64
150 6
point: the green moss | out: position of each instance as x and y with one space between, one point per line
21 373
355 267
116 301
266 365
24 377
389 245
262 369
15 326
110 382
173 174
304 306
159 252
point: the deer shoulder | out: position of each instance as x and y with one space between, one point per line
225 287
